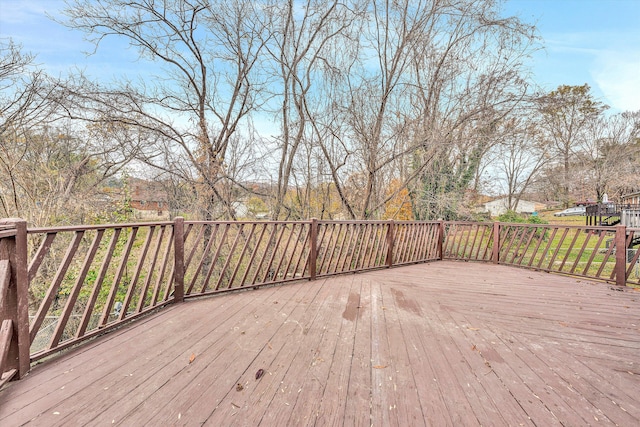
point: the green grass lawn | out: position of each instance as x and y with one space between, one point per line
562 220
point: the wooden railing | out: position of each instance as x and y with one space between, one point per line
351 246
62 285
223 256
86 280
8 368
14 317
590 252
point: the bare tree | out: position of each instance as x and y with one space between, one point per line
611 153
521 155
24 104
421 101
24 90
302 46
363 92
470 80
50 169
207 52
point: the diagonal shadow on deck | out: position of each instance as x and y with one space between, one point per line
444 343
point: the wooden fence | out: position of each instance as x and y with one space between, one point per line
60 286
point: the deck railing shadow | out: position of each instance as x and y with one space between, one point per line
60 286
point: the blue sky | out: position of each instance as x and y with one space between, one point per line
586 41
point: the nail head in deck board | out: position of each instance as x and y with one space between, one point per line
538 332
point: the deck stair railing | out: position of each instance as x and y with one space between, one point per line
630 216
611 214
60 286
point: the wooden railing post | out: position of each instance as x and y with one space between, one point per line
621 255
495 253
178 246
15 301
313 248
390 242
440 240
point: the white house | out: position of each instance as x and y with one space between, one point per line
499 206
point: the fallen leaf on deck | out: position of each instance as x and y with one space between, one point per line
259 374
379 366
192 358
473 329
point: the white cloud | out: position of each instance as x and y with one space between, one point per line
26 11
617 74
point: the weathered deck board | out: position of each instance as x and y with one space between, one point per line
332 405
444 343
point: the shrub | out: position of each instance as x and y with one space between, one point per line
512 216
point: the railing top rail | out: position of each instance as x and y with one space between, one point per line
367 221
247 222
530 225
95 227
7 232
352 221
320 221
416 222
7 227
468 222
569 226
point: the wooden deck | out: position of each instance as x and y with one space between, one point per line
444 343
